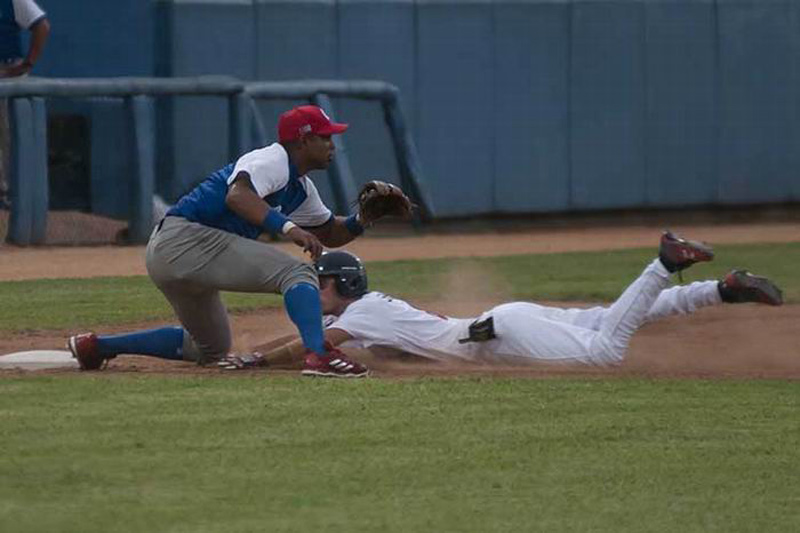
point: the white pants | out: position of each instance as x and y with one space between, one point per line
598 335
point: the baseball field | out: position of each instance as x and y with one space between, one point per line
698 430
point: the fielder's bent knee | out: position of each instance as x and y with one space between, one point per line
208 351
299 273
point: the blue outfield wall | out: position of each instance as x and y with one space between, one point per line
516 105
681 107
201 38
759 95
607 89
531 139
378 40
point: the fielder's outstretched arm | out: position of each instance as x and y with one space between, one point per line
289 349
338 231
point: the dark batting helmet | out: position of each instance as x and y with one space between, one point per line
348 271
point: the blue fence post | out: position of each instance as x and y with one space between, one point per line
259 131
239 139
22 157
40 199
342 184
140 221
407 159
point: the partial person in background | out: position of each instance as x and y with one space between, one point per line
15 16
516 332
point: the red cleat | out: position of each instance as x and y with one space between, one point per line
84 349
740 286
334 364
677 254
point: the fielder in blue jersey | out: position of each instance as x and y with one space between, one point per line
207 243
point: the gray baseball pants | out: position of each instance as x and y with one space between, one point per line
191 263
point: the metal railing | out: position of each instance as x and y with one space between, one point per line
29 175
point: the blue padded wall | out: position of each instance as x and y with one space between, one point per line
608 105
112 172
376 41
681 115
455 103
760 101
295 40
531 118
204 38
516 105
98 38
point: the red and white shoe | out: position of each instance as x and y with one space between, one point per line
677 254
740 286
334 364
84 348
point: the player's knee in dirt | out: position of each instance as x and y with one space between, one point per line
210 350
606 353
189 349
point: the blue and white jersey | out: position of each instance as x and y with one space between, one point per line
16 14
275 180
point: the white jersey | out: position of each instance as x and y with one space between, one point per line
524 331
376 319
270 174
26 13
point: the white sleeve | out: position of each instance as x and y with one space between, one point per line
26 12
267 174
312 212
370 323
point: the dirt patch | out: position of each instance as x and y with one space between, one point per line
743 341
732 341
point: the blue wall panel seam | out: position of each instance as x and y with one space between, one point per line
415 113
493 102
570 121
717 112
338 37
256 48
647 141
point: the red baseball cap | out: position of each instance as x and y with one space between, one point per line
306 119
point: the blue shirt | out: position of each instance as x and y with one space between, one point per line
273 175
15 15
10 39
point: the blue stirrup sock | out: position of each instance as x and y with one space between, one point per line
304 308
166 343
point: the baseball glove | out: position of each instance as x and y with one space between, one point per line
378 199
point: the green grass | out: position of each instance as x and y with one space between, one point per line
234 453
92 302
97 302
602 276
144 453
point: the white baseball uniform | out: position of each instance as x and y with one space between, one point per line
525 331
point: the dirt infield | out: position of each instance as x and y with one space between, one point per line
729 341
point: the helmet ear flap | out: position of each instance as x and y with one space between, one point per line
351 285
347 271
341 286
